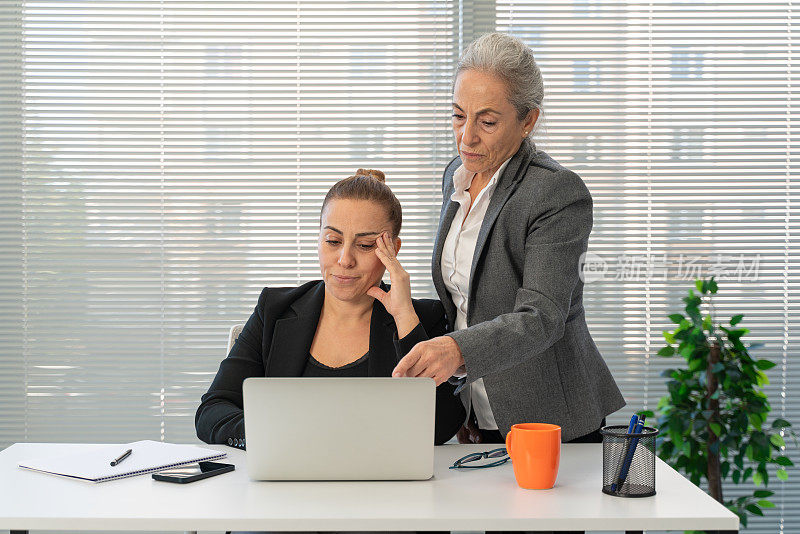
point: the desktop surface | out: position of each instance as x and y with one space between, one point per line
478 499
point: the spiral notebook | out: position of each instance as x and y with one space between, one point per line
93 463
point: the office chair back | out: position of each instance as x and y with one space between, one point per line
234 333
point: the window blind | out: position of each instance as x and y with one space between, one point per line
680 118
162 161
12 373
172 160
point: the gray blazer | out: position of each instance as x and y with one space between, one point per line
527 335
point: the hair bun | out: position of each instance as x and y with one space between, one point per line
373 173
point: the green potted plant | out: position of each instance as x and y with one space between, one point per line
713 419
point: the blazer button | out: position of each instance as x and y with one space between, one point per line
230 442
236 442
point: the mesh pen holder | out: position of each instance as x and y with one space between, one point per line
629 461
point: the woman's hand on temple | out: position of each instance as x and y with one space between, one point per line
398 300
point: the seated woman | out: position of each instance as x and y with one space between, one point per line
346 325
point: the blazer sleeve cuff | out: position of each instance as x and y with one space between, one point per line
237 439
469 345
403 346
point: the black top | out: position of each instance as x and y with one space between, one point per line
276 342
317 369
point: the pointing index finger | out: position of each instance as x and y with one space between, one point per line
402 367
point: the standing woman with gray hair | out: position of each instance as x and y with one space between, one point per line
507 262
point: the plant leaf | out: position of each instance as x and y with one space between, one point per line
736 319
761 379
762 468
782 474
676 318
755 420
781 423
785 461
738 332
763 493
753 509
765 364
712 286
667 351
766 504
777 440
738 460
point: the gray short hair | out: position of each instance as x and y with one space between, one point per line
510 59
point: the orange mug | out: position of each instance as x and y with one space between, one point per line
535 450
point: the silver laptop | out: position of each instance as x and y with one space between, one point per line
339 428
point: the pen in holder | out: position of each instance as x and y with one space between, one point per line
629 461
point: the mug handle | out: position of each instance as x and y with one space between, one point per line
508 441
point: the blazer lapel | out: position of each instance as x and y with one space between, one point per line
449 211
382 356
507 184
293 334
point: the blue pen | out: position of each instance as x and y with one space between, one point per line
631 428
631 450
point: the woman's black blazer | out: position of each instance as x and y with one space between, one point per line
276 341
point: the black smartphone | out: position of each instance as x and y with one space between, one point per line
190 473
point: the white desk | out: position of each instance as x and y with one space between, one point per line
483 499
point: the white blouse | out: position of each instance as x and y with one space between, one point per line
456 265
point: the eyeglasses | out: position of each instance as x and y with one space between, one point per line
500 453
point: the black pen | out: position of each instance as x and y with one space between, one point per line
124 455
